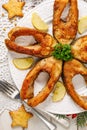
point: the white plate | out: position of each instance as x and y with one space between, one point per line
67 105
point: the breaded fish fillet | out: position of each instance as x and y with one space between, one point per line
43 46
65 31
70 69
79 49
50 65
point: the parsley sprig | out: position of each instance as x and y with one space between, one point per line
62 52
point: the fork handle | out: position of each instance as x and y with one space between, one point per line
50 125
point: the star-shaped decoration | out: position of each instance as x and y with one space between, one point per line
20 117
14 8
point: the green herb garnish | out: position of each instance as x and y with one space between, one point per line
62 52
82 119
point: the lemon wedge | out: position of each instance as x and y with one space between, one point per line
38 23
82 25
59 92
23 63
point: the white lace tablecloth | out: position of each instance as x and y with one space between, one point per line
5 26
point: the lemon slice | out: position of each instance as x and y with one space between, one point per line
23 63
59 92
38 23
82 25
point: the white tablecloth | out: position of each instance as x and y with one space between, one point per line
6 103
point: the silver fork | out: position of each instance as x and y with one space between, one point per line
13 92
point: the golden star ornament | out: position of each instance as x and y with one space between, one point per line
14 8
20 117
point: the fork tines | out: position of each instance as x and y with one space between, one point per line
6 87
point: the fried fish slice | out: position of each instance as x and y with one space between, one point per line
65 31
41 48
50 65
70 69
79 49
